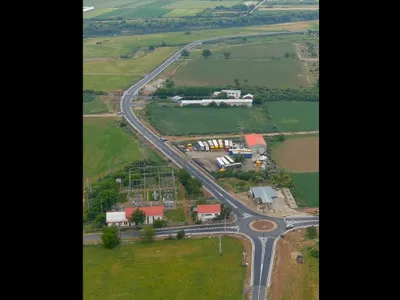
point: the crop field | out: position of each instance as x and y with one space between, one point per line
97 12
291 116
298 154
186 12
168 270
192 120
136 66
106 145
308 187
262 64
200 4
116 46
141 9
264 9
96 106
108 83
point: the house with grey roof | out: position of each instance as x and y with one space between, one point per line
263 195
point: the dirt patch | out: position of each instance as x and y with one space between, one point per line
300 155
263 226
288 278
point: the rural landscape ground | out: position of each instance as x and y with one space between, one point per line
124 40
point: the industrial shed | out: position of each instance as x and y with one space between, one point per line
232 102
264 194
256 143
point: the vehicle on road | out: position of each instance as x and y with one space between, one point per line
289 226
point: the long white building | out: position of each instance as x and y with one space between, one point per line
231 93
205 102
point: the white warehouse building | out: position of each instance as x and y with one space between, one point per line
231 93
205 102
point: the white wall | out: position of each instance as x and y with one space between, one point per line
150 220
118 224
205 217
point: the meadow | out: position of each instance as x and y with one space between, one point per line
198 120
116 46
292 116
106 145
201 4
108 83
307 185
168 270
96 106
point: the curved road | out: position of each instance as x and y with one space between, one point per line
263 244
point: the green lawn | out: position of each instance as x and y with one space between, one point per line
108 83
96 106
187 120
175 215
104 144
291 116
115 46
167 270
308 187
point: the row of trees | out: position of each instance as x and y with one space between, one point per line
95 27
192 185
206 53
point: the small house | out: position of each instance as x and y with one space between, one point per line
152 213
207 212
263 195
116 218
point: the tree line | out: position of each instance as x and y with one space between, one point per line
96 27
192 185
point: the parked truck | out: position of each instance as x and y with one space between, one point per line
216 147
206 146
221 145
226 145
201 145
220 163
210 142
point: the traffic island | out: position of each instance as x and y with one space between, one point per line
263 226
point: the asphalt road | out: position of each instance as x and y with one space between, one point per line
263 243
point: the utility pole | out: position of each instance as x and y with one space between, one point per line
220 245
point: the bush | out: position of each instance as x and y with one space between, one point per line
110 237
148 234
197 222
169 237
311 233
314 253
159 223
180 234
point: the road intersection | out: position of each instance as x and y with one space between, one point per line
263 242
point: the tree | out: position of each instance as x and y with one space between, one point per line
100 220
185 53
222 95
180 234
237 83
107 199
244 39
151 47
159 223
163 44
138 217
311 233
206 53
246 80
227 54
169 83
287 54
187 32
110 237
225 211
148 233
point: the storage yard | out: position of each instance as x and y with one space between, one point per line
223 155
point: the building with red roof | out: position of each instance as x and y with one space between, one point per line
152 213
256 143
208 211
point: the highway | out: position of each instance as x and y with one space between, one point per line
263 244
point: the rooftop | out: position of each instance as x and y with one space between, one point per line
254 139
231 91
265 193
209 208
115 216
148 210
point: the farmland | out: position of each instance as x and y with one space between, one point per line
108 83
298 154
115 46
106 145
262 63
193 120
291 116
95 107
307 185
192 268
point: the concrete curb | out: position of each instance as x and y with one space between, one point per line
271 265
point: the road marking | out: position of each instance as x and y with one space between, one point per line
210 228
299 222
246 215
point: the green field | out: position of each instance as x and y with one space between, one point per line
96 12
291 116
108 83
168 270
175 215
115 46
308 187
262 64
200 4
186 12
188 120
96 106
104 145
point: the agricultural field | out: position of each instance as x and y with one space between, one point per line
116 46
97 12
96 106
298 154
185 12
105 146
109 83
201 4
192 120
291 280
261 63
292 116
290 7
192 268
308 188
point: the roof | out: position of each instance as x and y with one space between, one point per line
115 216
248 96
231 91
176 98
254 139
216 101
209 208
148 210
265 193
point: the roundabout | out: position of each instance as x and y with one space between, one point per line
263 226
